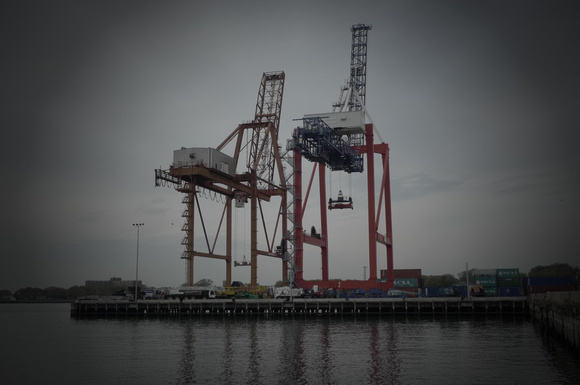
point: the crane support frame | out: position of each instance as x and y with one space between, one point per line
373 216
262 180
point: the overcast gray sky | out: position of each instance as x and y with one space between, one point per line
478 100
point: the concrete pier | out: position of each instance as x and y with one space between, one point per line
558 312
302 306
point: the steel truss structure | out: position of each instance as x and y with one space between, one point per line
353 93
342 149
262 179
320 143
375 211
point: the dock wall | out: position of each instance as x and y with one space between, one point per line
558 312
300 306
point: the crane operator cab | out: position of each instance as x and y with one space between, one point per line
340 202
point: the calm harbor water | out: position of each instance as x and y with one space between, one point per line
41 344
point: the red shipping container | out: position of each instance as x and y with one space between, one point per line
408 273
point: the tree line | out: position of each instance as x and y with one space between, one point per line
52 293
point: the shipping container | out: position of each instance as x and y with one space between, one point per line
509 281
432 291
461 290
407 273
542 281
538 289
490 291
509 291
448 292
486 281
512 273
402 273
485 272
406 282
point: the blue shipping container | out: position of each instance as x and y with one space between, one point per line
432 291
509 291
446 292
462 290
549 281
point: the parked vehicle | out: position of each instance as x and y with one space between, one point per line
286 292
191 292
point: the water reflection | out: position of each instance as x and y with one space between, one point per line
279 350
187 367
368 350
385 365
254 355
291 353
326 363
227 369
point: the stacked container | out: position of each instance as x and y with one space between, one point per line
509 283
498 282
406 279
486 279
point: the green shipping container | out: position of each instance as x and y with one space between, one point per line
509 282
406 282
489 281
490 291
511 273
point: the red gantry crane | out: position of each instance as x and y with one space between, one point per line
198 172
338 140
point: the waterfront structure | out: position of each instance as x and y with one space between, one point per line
337 140
303 306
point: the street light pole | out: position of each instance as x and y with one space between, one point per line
138 225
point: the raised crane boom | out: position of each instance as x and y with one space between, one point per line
268 109
353 93
199 170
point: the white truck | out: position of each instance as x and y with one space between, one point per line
191 292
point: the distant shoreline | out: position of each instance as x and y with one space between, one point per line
42 301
